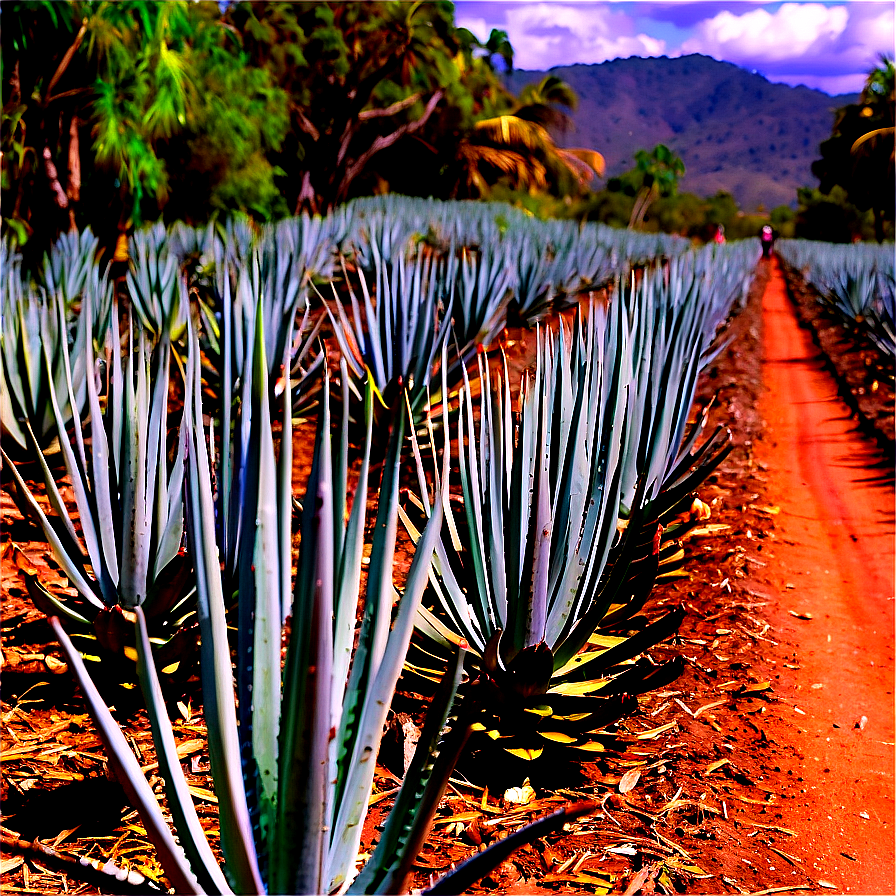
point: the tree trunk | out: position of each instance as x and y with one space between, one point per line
74 170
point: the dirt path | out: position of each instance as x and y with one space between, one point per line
834 562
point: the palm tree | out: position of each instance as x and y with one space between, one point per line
540 103
518 145
659 170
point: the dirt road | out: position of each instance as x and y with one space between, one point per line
834 557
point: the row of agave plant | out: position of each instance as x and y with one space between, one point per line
857 281
539 522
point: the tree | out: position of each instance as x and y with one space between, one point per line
683 213
43 96
831 217
498 45
859 155
361 77
142 100
783 220
541 103
656 174
516 147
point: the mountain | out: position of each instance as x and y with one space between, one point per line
734 129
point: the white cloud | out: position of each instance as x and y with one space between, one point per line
832 84
547 34
831 48
872 26
480 28
794 30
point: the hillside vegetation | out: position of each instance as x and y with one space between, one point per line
734 130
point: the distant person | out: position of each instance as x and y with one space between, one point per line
720 234
767 238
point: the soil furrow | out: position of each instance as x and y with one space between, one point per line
834 564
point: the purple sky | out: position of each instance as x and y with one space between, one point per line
828 45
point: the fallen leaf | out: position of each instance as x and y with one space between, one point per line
799 615
716 765
461 816
10 863
629 780
656 732
772 510
202 794
625 850
702 709
520 796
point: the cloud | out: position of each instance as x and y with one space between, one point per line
829 47
548 34
478 25
761 36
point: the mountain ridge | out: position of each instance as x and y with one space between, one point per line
734 129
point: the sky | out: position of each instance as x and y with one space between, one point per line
827 45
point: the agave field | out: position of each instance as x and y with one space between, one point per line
390 525
848 297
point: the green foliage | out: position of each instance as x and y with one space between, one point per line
859 156
145 101
185 109
783 220
655 175
831 217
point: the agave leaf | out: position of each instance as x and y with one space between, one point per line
421 791
300 843
259 580
180 802
129 774
217 676
351 553
69 565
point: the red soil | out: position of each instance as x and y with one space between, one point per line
834 562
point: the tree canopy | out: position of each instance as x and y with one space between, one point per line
859 155
120 112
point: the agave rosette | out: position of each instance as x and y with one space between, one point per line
45 331
122 548
392 328
535 562
291 745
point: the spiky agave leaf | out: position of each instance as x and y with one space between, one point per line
395 330
127 489
156 284
51 321
535 562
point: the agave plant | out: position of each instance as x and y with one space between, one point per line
156 283
666 317
53 322
70 264
856 281
536 561
393 334
485 280
126 485
291 745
